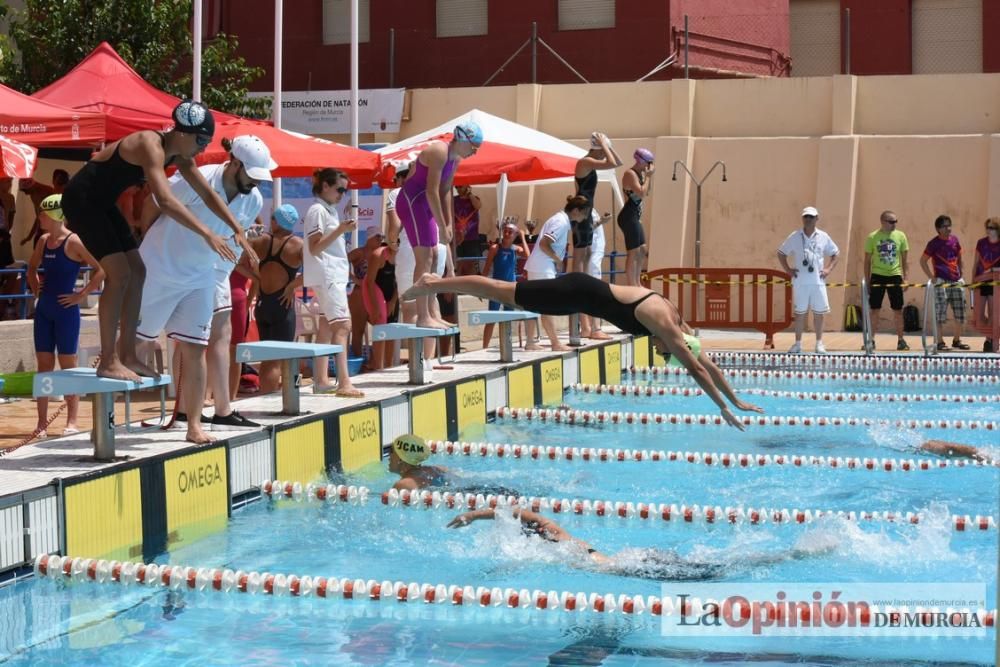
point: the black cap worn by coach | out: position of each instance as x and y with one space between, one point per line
194 118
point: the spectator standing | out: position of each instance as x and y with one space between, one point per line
60 254
636 182
942 262
501 264
277 278
327 271
987 269
808 249
466 240
886 266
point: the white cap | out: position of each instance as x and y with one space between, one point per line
255 156
810 210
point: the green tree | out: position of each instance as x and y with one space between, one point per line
153 36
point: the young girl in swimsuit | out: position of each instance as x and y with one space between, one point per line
635 310
635 183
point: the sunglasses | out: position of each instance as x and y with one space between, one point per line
342 190
891 222
202 140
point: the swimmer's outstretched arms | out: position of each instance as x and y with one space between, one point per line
954 450
635 310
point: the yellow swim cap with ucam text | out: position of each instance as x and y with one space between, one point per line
411 449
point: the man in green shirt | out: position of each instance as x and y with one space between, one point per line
885 271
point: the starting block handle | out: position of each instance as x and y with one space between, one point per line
290 382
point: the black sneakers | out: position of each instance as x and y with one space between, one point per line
233 419
181 417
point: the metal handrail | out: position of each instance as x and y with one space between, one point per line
930 311
867 334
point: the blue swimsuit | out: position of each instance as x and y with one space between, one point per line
504 268
57 327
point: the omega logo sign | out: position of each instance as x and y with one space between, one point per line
365 429
474 397
198 478
552 375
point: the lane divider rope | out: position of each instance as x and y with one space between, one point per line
653 390
854 361
888 378
717 459
216 580
560 416
668 513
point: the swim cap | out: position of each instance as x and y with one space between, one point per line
411 449
286 216
644 155
469 131
594 141
693 344
52 205
194 118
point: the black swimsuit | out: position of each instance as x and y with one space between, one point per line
90 203
630 219
274 320
573 293
583 231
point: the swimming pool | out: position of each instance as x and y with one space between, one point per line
47 622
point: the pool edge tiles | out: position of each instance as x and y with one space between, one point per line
135 508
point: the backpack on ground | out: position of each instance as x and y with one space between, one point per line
911 318
852 318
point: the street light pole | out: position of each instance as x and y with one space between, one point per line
697 202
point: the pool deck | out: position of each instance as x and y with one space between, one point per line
40 463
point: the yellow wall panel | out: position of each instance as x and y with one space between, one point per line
300 454
613 363
590 368
360 439
552 381
104 517
197 495
521 387
470 399
640 352
430 415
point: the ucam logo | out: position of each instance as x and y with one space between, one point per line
198 478
366 428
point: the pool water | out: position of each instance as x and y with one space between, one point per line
58 623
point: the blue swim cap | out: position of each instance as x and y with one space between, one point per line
286 216
469 131
644 155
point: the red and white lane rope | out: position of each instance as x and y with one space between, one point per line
648 418
717 459
224 580
672 513
856 361
838 397
771 374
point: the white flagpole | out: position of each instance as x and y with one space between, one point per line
354 94
196 41
276 105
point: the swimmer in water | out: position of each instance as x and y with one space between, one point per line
406 459
955 450
642 563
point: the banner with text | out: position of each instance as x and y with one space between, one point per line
329 111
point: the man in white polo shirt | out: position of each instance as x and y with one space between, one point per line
179 291
804 254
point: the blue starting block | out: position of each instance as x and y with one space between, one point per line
85 382
504 318
288 353
414 335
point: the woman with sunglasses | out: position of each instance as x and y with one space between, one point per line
424 204
89 203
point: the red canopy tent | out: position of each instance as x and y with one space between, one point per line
297 154
104 83
43 124
17 160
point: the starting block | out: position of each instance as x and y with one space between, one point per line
85 382
288 354
415 336
504 318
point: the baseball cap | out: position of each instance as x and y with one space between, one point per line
52 206
286 216
255 156
411 449
810 210
194 118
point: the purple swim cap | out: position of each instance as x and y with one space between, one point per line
644 155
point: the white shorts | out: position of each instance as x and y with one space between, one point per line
810 297
440 260
185 314
538 275
406 263
223 295
332 301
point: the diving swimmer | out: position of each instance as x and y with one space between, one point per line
629 308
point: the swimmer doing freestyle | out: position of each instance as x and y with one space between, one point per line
634 310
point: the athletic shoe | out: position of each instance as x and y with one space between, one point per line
902 346
234 419
958 344
795 349
987 345
820 348
181 417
